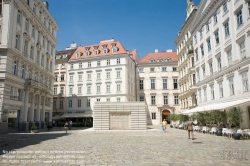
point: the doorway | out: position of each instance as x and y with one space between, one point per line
165 114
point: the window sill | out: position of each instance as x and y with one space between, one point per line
153 105
108 92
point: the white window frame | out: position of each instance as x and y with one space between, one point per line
208 45
70 103
212 92
226 28
211 68
164 69
108 62
141 84
89 76
118 87
142 98
217 38
118 61
98 63
229 57
164 83
175 83
221 89
152 83
239 18
165 100
205 94
70 90
153 100
79 77
88 89
98 76
176 100
70 78
108 88
80 65
89 64
108 75
118 99
79 90
118 74
231 85
245 82
98 88
153 115
79 103
242 50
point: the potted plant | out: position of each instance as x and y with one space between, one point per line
49 127
34 129
218 117
235 117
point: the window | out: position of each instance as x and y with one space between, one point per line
176 100
98 63
152 100
118 99
118 61
88 89
196 55
98 77
152 69
32 52
98 100
239 17
221 89
108 61
168 60
26 25
56 78
141 98
71 66
219 63
199 95
80 65
23 71
15 68
70 90
63 66
108 88
96 52
98 88
208 45
226 27
19 17
141 84
217 39
202 50
204 72
140 70
164 69
70 103
201 36
165 84
165 100
248 8
79 77
174 69
105 51
215 18
195 39
245 82
89 64
62 77
118 87
152 83
229 58
89 76
151 61
225 7
207 26
54 104
62 90
118 74
211 68
70 78
153 114
175 83
231 85
55 91
242 50
88 102
205 94
108 75
79 103
61 104
79 90
17 44
212 92
108 99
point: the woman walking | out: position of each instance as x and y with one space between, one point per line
66 126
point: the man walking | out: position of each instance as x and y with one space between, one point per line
164 125
190 128
70 124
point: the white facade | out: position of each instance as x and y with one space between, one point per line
99 78
27 49
186 66
222 54
157 85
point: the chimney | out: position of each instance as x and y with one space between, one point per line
156 50
73 45
169 50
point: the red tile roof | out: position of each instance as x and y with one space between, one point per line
99 46
156 56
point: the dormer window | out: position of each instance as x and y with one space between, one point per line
114 48
78 54
168 60
105 50
96 52
151 61
160 60
86 53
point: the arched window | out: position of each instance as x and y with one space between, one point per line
168 60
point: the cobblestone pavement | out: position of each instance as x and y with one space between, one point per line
147 148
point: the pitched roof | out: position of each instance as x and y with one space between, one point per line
99 47
135 55
158 55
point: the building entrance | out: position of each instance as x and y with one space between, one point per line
165 114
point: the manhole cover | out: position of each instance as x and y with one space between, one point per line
197 142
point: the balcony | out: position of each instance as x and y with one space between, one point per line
17 98
29 83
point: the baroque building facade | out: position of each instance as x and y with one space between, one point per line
186 66
27 49
157 85
104 72
220 34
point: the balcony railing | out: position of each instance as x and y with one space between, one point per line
36 84
17 98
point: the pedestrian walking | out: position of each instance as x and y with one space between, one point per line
190 129
164 125
66 126
70 124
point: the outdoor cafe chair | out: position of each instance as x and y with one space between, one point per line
213 130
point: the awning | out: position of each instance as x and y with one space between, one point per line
216 106
76 115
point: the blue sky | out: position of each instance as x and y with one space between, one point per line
144 25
